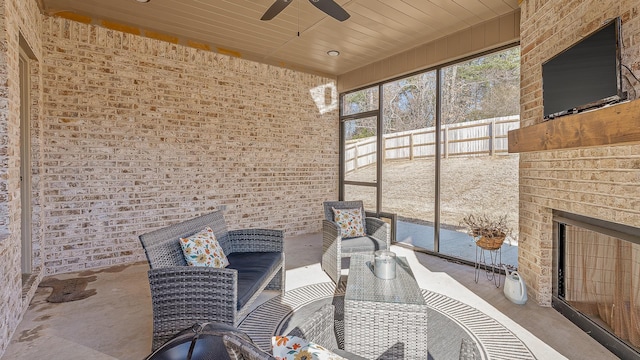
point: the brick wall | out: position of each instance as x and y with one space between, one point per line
130 134
140 133
600 182
20 24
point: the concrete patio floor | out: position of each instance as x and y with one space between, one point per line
452 243
116 322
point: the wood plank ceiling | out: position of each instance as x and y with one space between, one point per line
297 38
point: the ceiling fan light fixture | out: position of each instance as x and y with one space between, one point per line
143 1
333 52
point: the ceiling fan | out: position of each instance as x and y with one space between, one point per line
329 7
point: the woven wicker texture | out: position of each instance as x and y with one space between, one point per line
240 349
318 328
490 243
363 285
333 249
384 319
163 249
493 340
183 295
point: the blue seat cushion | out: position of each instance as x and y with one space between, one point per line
253 269
362 244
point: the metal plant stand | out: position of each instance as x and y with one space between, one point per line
491 268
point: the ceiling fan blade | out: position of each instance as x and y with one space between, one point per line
275 9
331 8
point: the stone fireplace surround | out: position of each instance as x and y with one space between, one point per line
586 164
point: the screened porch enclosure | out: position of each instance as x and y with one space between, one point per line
431 148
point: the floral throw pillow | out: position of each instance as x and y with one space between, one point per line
295 348
203 249
349 221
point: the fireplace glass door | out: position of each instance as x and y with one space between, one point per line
601 280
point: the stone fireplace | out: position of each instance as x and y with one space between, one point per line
586 164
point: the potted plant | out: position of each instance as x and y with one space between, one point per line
488 232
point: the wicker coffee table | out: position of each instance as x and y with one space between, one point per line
384 319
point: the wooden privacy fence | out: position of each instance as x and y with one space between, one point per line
473 138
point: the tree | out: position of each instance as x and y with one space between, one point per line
484 87
409 103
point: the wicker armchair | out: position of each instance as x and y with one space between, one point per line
334 247
182 295
241 349
318 328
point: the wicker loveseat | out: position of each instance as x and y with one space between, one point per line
182 295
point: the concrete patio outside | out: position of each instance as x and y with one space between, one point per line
452 243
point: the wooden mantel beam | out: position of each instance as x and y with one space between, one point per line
613 125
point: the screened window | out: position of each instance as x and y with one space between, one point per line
428 166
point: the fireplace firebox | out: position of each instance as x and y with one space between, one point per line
597 280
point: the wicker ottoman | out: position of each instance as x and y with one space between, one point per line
384 319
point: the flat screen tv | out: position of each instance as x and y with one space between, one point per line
584 76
